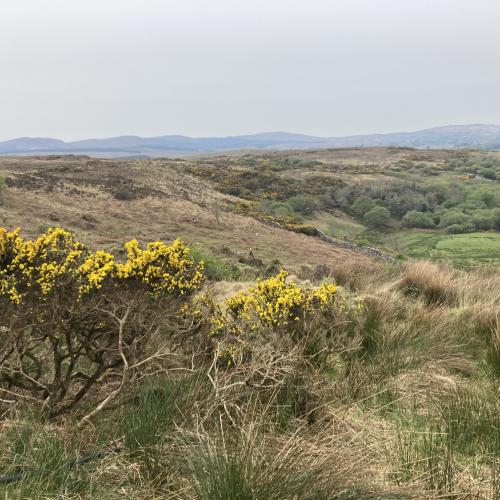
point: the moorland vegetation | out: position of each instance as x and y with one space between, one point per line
252 359
134 376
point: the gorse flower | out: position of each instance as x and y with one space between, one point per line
94 270
56 261
44 262
324 295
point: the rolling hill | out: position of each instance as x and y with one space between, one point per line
477 136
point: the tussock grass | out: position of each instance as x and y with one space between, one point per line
472 418
149 421
434 283
251 465
44 456
358 276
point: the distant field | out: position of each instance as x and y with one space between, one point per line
461 249
410 202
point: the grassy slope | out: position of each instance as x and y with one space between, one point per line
338 225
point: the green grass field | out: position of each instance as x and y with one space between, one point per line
461 249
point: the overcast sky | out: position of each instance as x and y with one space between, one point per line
75 69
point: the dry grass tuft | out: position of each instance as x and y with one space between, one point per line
359 275
436 284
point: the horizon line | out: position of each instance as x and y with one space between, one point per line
251 134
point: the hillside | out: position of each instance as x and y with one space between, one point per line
107 201
476 136
439 204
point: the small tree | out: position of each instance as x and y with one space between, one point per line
453 217
216 211
489 196
496 219
488 173
377 217
303 204
414 218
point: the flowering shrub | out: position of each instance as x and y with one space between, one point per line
164 269
70 316
274 303
56 261
277 306
307 229
40 264
94 271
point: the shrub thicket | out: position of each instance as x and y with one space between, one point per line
70 316
277 307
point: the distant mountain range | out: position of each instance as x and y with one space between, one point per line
476 136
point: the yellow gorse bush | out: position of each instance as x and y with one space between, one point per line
44 262
165 268
56 260
273 302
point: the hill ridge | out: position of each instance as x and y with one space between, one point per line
472 136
